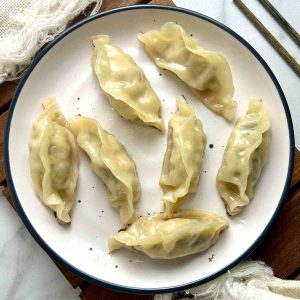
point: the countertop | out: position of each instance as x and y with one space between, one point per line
26 270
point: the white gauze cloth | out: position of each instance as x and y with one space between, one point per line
250 280
26 25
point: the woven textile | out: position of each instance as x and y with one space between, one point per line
26 25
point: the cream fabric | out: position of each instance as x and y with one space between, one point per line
250 280
26 25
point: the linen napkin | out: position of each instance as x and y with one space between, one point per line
26 25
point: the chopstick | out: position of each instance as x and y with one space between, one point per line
269 37
281 20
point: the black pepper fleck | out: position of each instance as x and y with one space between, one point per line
122 229
116 266
78 98
102 211
148 214
211 146
55 214
191 34
211 258
91 249
204 171
160 74
79 201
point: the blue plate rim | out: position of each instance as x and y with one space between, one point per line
81 273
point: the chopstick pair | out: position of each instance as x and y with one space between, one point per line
267 34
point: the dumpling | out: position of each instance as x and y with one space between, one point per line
189 232
244 157
54 160
111 162
206 72
184 156
125 84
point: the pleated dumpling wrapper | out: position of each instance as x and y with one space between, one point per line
183 158
111 163
206 72
244 157
188 232
128 90
54 160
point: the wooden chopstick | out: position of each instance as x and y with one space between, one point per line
281 20
269 37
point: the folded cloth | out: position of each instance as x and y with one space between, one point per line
26 25
250 280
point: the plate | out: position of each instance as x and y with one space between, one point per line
63 70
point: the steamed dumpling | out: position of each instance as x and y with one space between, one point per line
206 72
184 156
125 84
111 162
54 160
188 232
244 157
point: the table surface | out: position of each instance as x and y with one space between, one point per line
31 274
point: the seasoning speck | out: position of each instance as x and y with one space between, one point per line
116 266
93 187
102 211
78 98
148 214
55 214
79 201
91 249
204 171
191 34
122 229
160 74
211 146
79 115
211 258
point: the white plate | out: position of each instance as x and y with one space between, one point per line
63 70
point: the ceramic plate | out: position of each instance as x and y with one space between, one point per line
63 70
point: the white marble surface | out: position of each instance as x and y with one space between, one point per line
26 270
